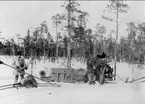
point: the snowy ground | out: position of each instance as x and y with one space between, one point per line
115 93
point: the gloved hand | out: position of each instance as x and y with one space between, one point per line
17 67
1 62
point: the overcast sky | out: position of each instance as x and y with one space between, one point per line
16 17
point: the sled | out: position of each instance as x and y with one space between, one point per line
65 75
58 74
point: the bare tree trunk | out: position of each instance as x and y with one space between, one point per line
13 49
35 53
94 47
69 34
68 57
24 50
56 42
117 16
44 50
32 62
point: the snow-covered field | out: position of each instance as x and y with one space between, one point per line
113 93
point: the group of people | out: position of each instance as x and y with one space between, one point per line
94 65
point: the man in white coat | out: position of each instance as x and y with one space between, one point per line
19 64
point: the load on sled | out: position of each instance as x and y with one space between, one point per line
97 70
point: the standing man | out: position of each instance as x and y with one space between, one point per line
90 70
100 61
19 64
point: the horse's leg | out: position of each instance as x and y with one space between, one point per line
89 77
94 78
68 78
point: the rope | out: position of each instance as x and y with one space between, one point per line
124 80
120 78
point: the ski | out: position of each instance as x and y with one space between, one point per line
8 87
18 85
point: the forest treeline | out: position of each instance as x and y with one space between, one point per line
83 42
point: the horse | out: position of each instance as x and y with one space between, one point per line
76 75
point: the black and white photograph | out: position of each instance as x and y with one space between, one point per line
72 52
